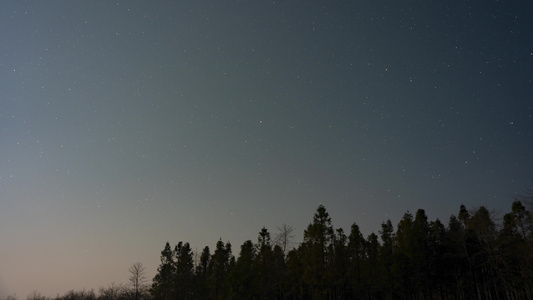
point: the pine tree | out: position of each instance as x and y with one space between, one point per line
263 265
219 268
279 269
202 274
356 253
481 247
339 267
523 220
421 253
386 256
162 286
439 275
184 275
403 268
295 288
243 276
318 238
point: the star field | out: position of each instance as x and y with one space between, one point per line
124 125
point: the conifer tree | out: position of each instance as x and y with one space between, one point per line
386 256
295 288
219 269
403 257
420 253
317 240
339 268
162 284
372 267
202 275
356 252
279 270
264 268
184 274
243 276
472 258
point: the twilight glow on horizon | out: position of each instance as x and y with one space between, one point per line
127 124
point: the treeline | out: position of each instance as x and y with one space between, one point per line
472 257
112 292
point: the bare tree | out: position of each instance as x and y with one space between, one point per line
36 296
284 238
137 278
112 292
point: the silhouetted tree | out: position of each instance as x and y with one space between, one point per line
295 287
184 271
36 296
242 276
137 278
386 256
481 246
162 284
464 215
279 270
203 275
439 275
264 268
471 258
318 237
339 267
219 268
78 295
403 268
284 238
421 254
523 220
372 267
112 292
356 254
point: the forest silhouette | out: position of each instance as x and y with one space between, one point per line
473 257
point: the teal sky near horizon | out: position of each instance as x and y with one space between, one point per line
127 124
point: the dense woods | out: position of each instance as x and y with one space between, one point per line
472 257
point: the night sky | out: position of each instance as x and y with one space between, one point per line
124 125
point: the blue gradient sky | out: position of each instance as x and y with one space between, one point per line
127 124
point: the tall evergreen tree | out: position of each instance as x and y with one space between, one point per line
403 268
294 287
279 269
162 284
464 215
243 276
317 240
219 269
517 251
184 276
421 253
263 239
481 247
339 267
523 220
386 256
264 268
439 273
373 269
356 252
202 274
